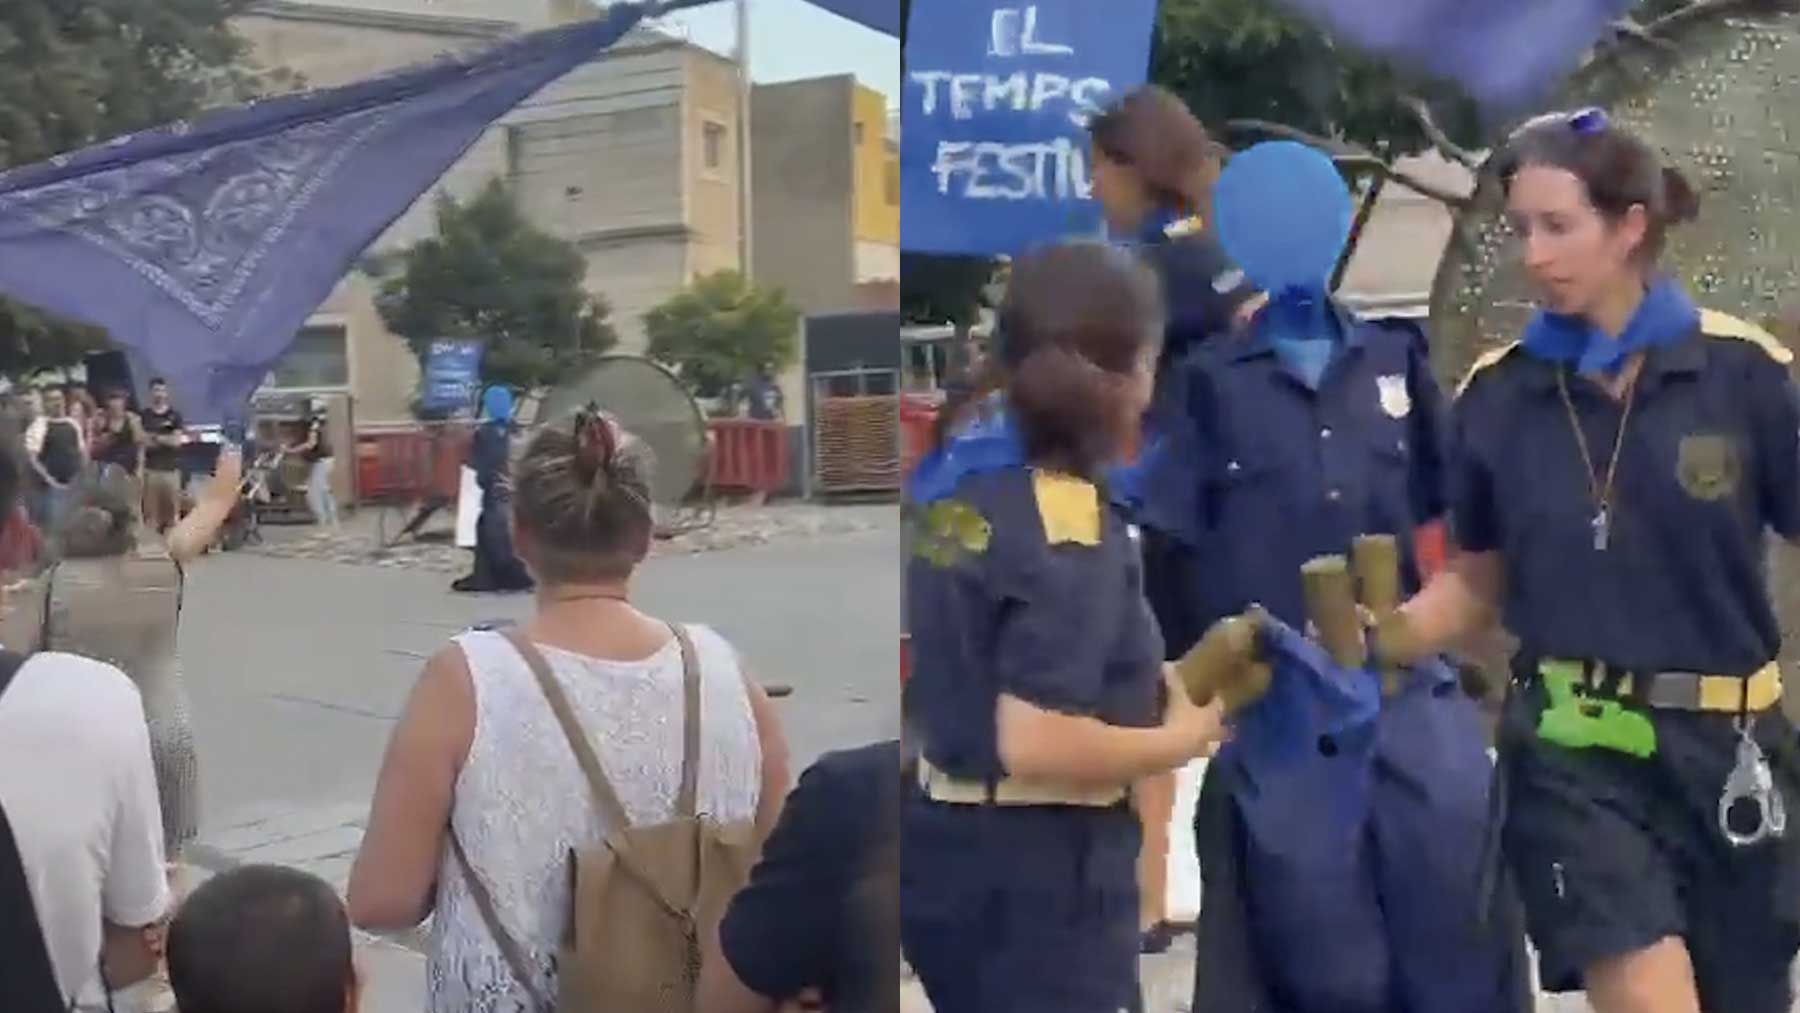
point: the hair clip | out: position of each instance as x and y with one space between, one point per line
594 439
1586 122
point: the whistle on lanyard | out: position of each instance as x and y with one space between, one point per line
1227 663
1574 720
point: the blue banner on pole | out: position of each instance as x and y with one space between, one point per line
994 152
452 376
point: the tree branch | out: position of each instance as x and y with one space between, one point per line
1629 30
1440 140
1717 8
1356 155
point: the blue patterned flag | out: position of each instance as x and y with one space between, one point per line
1506 54
204 246
881 15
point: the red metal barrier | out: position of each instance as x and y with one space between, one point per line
918 417
749 454
407 464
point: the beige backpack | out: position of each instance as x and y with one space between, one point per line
646 897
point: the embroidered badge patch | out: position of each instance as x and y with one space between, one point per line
1708 467
949 532
1395 401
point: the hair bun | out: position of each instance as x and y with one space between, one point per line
1682 203
596 444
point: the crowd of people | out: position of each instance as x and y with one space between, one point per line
481 802
1165 433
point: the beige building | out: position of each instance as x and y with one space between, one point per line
632 157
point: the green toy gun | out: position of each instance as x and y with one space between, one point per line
1576 721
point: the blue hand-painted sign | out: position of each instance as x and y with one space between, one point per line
452 375
993 141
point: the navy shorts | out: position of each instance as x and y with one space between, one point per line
1028 909
1611 854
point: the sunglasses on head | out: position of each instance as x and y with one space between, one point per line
1580 122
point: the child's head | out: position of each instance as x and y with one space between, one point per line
263 939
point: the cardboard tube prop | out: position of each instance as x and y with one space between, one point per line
1375 559
1331 606
1225 663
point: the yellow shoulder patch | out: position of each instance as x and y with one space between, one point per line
1491 357
1069 508
1714 324
1185 227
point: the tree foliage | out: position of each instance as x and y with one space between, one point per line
489 273
720 331
1251 59
73 72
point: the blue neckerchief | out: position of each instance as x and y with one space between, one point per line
1665 317
1305 331
984 445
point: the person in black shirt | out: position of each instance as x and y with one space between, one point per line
58 451
162 428
119 435
820 915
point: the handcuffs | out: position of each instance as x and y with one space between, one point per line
1751 780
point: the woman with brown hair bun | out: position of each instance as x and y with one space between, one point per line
1614 477
479 757
1154 170
1038 694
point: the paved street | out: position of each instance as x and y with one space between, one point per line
297 669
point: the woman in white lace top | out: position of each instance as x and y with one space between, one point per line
478 752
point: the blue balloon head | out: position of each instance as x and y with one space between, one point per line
1282 212
497 404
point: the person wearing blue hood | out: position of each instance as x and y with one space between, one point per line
1039 692
1615 475
497 567
1307 430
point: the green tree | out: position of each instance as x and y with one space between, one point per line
489 273
73 72
717 333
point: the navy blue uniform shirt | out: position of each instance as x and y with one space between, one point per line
1709 459
820 910
1005 595
1286 473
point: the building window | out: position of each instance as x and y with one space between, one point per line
319 357
713 141
858 130
891 182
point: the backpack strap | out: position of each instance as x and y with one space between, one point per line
611 809
604 796
484 903
687 802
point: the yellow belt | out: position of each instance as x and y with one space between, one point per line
941 787
1689 691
